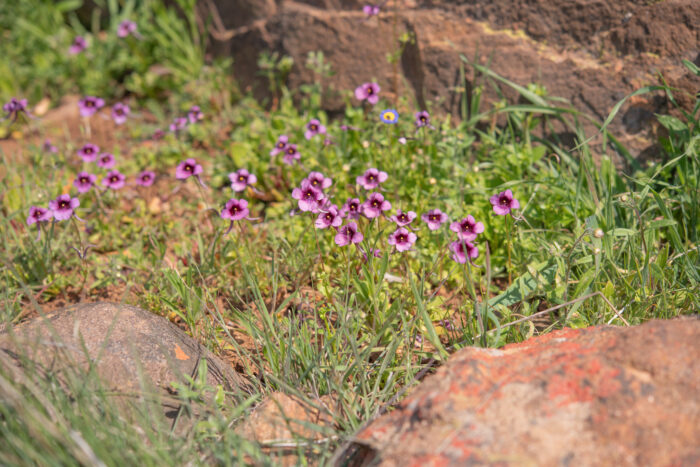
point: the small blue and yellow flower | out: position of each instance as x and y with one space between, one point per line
389 116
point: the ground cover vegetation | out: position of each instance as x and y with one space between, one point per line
342 257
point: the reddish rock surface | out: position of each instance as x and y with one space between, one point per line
591 52
597 396
281 423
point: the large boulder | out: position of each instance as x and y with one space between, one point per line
131 349
591 52
583 397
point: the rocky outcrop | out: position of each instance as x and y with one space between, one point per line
131 349
586 397
591 52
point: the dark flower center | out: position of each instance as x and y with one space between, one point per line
113 179
62 204
309 195
105 159
83 180
433 218
234 210
89 104
291 151
145 177
241 178
119 111
313 127
353 206
329 216
403 217
423 119
88 150
504 201
188 168
375 204
370 90
370 178
401 238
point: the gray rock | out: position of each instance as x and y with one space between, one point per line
131 349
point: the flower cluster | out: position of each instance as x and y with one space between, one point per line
62 208
14 108
312 196
289 151
194 115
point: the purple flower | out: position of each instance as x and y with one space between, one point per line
434 218
194 114
371 10
467 229
314 128
348 234
418 341
351 208
120 112
158 134
79 44
84 181
503 202
179 124
187 168
114 180
463 250
235 210
403 218
89 152
422 119
146 178
280 145
126 28
38 214
291 154
329 217
375 205
106 160
63 206
241 179
368 92
319 181
402 239
446 323
309 197
14 108
89 105
371 179
48 147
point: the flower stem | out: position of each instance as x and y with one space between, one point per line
508 247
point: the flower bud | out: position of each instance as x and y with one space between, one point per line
598 233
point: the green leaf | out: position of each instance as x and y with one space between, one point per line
526 284
672 123
692 67
430 329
